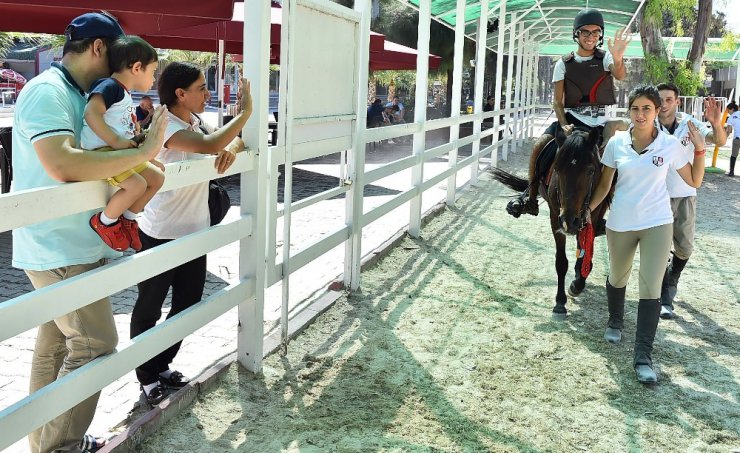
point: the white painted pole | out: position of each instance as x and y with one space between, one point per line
356 158
420 114
523 91
535 92
737 82
499 77
456 96
509 87
287 46
517 92
480 66
221 68
252 260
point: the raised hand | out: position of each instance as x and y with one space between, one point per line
697 138
246 98
618 46
712 111
155 137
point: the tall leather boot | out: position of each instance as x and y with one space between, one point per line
670 286
615 300
648 314
732 166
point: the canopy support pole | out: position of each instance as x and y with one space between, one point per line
455 101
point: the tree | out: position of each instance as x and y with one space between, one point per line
699 43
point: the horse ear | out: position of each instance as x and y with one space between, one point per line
594 137
559 137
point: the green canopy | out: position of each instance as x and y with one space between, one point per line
549 22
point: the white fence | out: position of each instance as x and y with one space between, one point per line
317 118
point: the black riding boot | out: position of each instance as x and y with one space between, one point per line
615 301
732 166
670 286
648 314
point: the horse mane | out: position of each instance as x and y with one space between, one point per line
574 147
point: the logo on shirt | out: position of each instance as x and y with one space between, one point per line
657 161
685 140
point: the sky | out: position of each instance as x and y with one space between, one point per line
731 8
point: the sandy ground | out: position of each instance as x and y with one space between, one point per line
450 346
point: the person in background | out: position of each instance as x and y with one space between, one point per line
683 196
144 112
109 125
375 113
399 113
176 213
640 216
733 120
46 152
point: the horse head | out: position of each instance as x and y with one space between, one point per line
577 167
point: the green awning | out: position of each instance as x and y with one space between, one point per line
549 22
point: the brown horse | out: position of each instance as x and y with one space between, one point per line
572 178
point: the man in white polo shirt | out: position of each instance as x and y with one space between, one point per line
683 196
46 152
734 120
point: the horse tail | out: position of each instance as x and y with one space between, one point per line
511 181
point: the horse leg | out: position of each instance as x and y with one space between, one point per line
561 266
579 283
530 204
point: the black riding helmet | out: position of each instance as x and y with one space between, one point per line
588 16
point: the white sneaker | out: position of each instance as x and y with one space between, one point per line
391 142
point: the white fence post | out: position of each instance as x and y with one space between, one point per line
480 66
499 79
252 259
509 87
420 114
455 101
518 88
356 158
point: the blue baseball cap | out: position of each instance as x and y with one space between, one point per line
93 25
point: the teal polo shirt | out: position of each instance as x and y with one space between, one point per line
50 104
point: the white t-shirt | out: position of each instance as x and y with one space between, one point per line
677 187
120 113
179 212
590 115
734 121
641 198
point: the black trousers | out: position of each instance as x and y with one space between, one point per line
187 281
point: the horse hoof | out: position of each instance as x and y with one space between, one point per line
573 291
559 316
559 312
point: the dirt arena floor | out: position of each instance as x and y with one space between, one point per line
450 346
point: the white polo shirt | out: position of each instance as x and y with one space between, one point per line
677 187
641 198
51 104
734 121
179 212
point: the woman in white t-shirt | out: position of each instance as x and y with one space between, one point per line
640 215
173 214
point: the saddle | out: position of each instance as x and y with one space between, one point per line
543 164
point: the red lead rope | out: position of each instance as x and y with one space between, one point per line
586 248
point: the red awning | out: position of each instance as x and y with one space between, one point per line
135 16
383 54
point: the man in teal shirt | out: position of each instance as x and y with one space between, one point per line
46 130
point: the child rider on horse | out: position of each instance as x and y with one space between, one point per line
584 86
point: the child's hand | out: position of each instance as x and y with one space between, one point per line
124 143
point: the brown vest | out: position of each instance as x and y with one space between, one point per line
586 83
